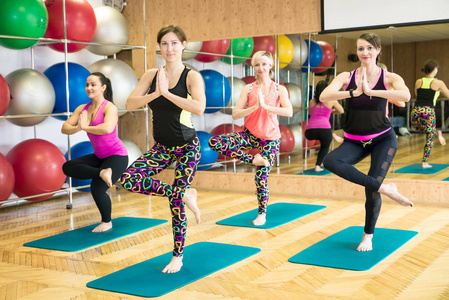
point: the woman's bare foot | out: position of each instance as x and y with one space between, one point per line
258 160
174 265
441 138
390 190
425 165
104 226
367 243
260 220
106 175
318 169
337 138
189 199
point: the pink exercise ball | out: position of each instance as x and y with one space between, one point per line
5 96
328 57
6 178
216 46
37 168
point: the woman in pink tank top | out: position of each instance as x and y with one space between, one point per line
98 119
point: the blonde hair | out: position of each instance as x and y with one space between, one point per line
258 55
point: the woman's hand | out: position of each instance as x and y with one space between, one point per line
260 98
162 82
83 122
365 84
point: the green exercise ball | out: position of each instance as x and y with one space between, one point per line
240 47
27 18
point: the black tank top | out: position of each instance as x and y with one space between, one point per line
366 115
172 126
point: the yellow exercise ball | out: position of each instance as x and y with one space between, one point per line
286 51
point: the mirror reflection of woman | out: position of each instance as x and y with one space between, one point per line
423 119
367 130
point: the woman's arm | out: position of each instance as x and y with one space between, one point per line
333 91
285 110
240 109
397 90
442 87
138 97
109 124
70 126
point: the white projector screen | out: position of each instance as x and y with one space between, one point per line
346 15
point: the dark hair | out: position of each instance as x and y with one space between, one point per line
171 28
429 66
320 86
374 40
104 81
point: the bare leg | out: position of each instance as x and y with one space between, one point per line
441 138
390 190
174 265
260 220
425 165
367 243
189 199
106 175
104 226
318 169
258 160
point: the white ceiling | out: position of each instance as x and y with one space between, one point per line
406 34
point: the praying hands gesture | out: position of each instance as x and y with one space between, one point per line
83 121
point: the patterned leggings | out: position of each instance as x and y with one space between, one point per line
423 120
137 179
234 145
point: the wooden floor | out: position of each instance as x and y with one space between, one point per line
418 270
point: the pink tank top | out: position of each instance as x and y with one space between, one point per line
107 144
263 124
319 117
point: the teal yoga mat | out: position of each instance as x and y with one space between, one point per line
417 169
340 249
82 238
277 214
313 172
146 279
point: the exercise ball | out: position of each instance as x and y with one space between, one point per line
26 18
285 51
123 79
287 141
263 43
31 93
295 94
242 47
237 86
78 150
7 179
191 46
5 95
315 56
37 168
224 129
296 129
80 23
249 79
112 28
216 46
77 86
133 151
328 57
218 90
299 52
208 156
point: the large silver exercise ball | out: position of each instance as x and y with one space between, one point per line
112 28
133 151
298 134
191 46
295 94
299 52
123 79
31 93
237 86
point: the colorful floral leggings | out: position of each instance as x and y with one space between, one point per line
137 179
234 145
423 120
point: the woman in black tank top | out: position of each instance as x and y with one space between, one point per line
367 129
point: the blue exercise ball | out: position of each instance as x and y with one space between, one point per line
208 156
218 90
78 150
315 56
77 83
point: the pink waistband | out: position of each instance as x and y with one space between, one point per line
364 137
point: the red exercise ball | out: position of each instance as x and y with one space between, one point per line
5 96
6 178
37 168
287 141
328 57
223 129
81 23
263 43
216 46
